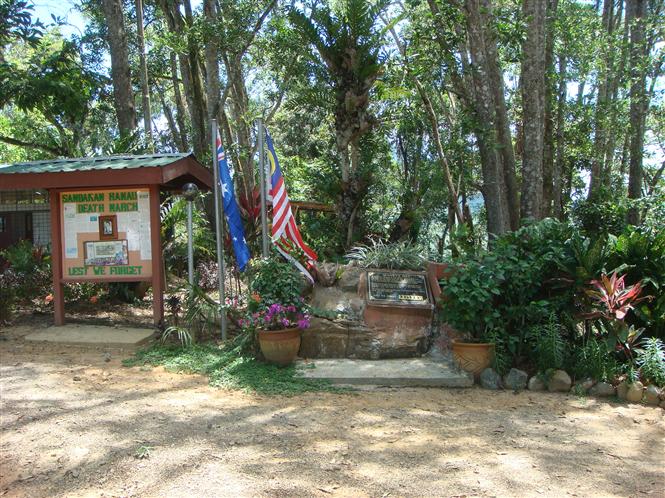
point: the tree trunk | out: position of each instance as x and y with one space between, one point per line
550 91
190 72
123 96
495 190
179 106
145 89
636 11
533 103
502 123
560 137
600 117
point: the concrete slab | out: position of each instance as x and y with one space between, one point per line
414 372
97 335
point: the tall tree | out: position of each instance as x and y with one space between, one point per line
348 44
533 102
636 12
123 94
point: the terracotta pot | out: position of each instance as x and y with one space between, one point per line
473 357
280 346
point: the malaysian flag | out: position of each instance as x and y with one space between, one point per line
231 211
285 233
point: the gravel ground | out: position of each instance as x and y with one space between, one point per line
75 424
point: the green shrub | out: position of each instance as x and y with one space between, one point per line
273 280
651 361
593 359
8 283
510 288
403 255
32 267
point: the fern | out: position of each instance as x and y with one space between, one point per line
651 361
502 359
549 348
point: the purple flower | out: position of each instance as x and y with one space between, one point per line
303 323
285 322
275 308
291 309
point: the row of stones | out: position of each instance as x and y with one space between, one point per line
560 381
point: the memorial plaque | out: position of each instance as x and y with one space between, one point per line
402 288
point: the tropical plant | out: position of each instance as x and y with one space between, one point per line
402 255
651 361
612 302
640 253
348 42
183 335
174 235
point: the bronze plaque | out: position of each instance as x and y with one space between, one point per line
402 288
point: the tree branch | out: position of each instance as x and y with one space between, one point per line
56 151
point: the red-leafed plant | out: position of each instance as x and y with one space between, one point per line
612 300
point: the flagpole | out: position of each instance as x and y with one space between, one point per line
218 231
262 180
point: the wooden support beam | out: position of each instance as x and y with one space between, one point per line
56 258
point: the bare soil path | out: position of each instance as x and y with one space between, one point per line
75 424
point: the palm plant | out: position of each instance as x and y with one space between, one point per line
348 44
174 235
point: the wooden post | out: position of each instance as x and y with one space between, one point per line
56 258
157 265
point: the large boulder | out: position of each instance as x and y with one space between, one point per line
622 390
324 339
489 379
536 383
602 390
349 279
635 392
583 386
652 395
337 302
326 274
515 379
559 382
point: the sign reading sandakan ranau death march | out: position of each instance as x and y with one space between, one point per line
397 287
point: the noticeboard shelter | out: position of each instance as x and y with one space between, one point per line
105 215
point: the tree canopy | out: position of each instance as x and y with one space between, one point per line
430 120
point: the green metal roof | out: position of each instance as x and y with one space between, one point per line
92 163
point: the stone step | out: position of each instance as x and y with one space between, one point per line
412 372
93 335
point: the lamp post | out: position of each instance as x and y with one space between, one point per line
189 192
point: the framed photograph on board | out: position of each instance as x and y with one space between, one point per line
111 253
108 227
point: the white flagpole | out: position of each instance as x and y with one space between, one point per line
219 208
262 181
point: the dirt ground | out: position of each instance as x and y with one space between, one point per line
75 423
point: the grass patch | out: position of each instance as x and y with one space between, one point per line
227 369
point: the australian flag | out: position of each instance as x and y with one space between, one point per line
231 211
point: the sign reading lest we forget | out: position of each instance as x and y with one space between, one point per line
106 234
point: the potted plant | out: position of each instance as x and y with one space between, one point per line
466 305
276 310
278 329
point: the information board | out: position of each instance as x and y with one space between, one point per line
397 287
106 234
